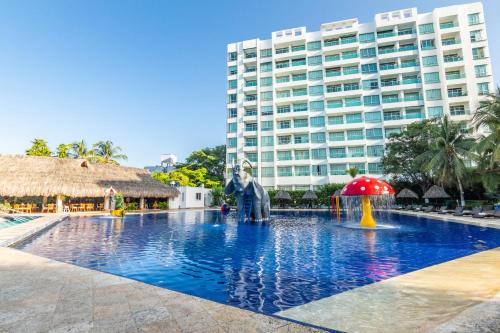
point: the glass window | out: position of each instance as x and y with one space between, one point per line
317 105
231 98
332 57
475 36
413 114
351 86
231 158
483 88
250 111
296 48
336 136
374 133
231 127
266 66
353 118
250 142
300 123
480 70
316 90
334 103
284 139
266 125
338 169
299 62
231 56
232 84
283 108
301 138
426 28
302 170
356 134
431 77
282 79
317 121
353 101
231 142
316 75
318 154
349 54
473 19
252 157
319 170
369 68
318 137
430 61
375 151
299 107
433 94
435 111
282 50
375 168
265 53
250 83
370 84
283 94
427 44
300 92
266 110
337 152
367 37
232 113
350 70
371 100
335 120
373 117
358 151
457 110
282 64
267 172
231 70
359 166
302 154
267 156
266 95
267 141
250 97
312 46
250 127
368 53
284 155
390 131
334 88
316 60
284 124
299 77
266 81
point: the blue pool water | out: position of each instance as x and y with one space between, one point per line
9 221
296 258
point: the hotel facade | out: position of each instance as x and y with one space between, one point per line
303 107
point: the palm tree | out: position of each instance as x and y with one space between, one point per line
487 117
80 149
353 172
107 152
447 153
64 150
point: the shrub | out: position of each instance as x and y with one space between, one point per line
133 206
119 202
163 205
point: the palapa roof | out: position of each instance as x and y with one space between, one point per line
282 195
310 195
435 192
407 193
50 176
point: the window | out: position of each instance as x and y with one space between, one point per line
367 37
299 62
250 97
250 142
301 138
317 121
457 110
338 152
231 70
478 53
300 92
354 101
231 142
335 120
320 170
334 88
431 77
353 118
427 44
480 70
373 117
299 77
375 151
370 84
300 123
334 103
358 166
316 60
231 98
375 168
266 125
250 111
371 100
435 112
350 70
433 94
358 151
330 72
284 155
318 154
349 54
250 53
231 158
282 79
332 57
483 88
312 46
267 172
267 141
283 94
318 137
316 90
232 84
374 133
266 110
266 81
282 50
369 68
265 53
266 95
284 124
426 28
317 105
232 113
282 64
267 156
390 131
336 136
430 61
302 170
338 169
302 154
348 39
296 48
299 107
355 135
284 139
232 56
473 18
316 75
368 53
283 109
252 157
250 83
409 63
231 127
351 86
413 114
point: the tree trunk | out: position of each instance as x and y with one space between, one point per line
461 190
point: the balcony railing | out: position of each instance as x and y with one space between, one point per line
457 93
384 67
455 76
333 73
412 98
389 83
409 64
390 116
411 81
391 100
401 49
386 34
447 25
453 59
331 43
451 42
348 40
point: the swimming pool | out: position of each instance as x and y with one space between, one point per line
9 221
296 258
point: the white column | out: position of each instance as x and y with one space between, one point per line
141 203
106 202
59 204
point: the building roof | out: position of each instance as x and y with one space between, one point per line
51 176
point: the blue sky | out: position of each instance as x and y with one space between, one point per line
148 75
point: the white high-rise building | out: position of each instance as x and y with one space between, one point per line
305 106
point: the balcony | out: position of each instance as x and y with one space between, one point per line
456 93
455 76
391 99
448 25
401 49
453 58
386 67
413 98
386 34
447 42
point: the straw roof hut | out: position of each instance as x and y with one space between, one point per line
310 195
282 195
51 176
406 193
435 192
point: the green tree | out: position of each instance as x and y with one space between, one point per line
186 177
107 152
487 118
217 195
447 154
80 149
353 172
63 150
38 147
400 159
212 159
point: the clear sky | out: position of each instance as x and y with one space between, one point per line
148 75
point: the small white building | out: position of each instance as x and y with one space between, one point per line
191 197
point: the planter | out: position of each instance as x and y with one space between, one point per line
118 212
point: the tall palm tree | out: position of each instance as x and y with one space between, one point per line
487 118
447 153
107 152
80 149
353 172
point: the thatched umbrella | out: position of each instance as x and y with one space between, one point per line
283 196
436 192
310 196
407 194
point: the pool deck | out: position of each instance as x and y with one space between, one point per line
43 295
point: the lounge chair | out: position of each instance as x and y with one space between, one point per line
442 210
427 209
471 211
486 212
408 207
459 211
417 208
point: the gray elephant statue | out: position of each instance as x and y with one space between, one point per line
251 197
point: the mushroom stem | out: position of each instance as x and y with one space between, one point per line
367 220
337 206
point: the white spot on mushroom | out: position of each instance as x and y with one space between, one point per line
367 180
376 187
362 188
354 183
385 188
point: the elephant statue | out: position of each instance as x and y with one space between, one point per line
248 192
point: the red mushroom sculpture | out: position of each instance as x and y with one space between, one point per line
365 187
